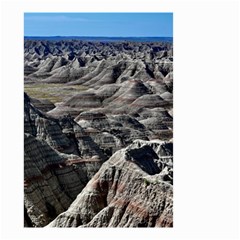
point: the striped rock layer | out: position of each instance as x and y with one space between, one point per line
132 189
99 153
59 160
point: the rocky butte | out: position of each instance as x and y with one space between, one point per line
98 133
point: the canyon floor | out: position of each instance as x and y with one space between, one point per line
98 133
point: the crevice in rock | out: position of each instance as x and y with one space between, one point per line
27 218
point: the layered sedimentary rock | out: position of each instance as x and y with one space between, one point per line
132 189
120 78
98 135
59 160
96 63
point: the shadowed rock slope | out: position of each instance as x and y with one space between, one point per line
59 160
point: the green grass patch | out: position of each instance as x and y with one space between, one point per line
54 92
147 182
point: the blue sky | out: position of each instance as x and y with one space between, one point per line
99 24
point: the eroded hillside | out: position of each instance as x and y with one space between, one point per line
98 134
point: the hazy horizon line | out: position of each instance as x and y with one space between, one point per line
98 36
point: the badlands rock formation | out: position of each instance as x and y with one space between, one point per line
98 148
59 160
132 189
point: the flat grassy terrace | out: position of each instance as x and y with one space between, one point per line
54 92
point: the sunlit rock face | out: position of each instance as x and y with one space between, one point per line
132 189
